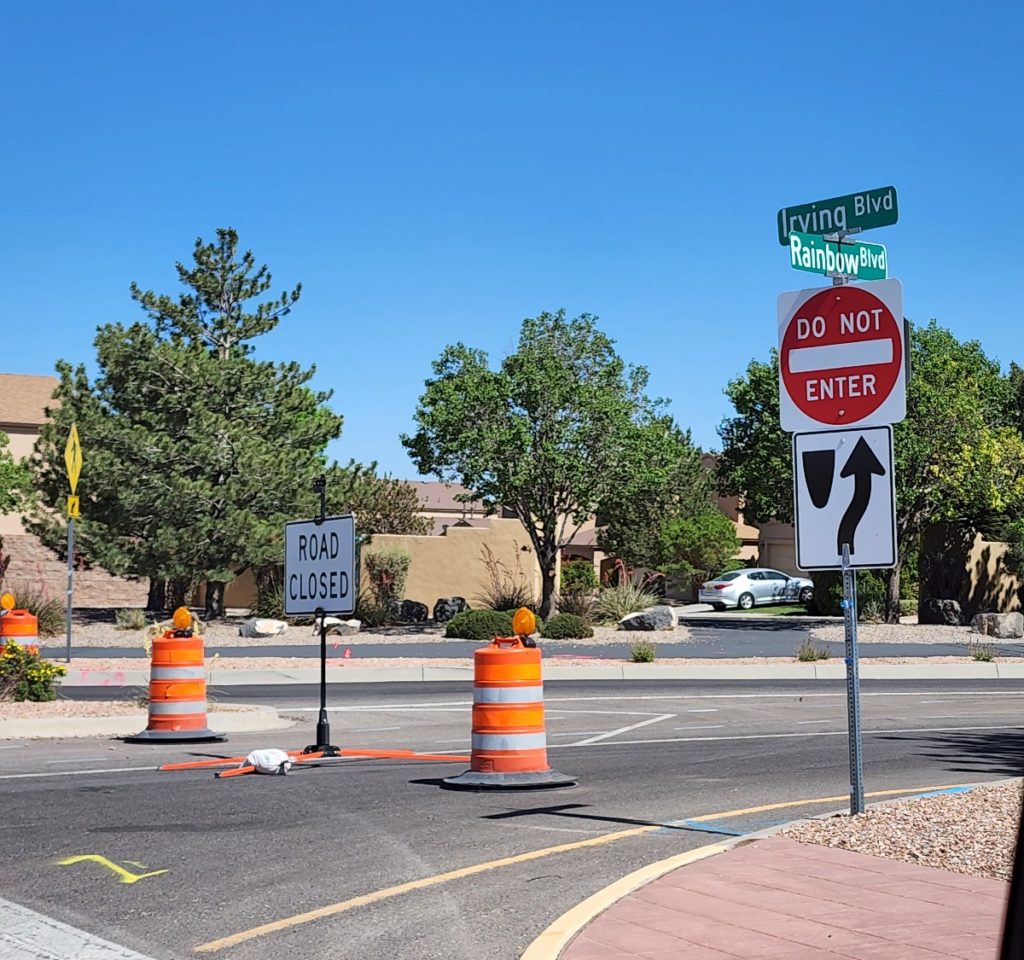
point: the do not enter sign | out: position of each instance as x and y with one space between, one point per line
842 357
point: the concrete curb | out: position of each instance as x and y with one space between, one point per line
552 671
257 719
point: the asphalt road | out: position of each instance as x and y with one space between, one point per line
240 853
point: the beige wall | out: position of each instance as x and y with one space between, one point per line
453 566
777 547
22 440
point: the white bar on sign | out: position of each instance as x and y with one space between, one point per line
832 356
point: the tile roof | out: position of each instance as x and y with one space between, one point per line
24 398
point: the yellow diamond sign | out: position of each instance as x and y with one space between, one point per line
73 457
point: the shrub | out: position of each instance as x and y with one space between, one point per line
48 611
618 601
983 652
483 625
807 652
24 675
566 626
270 605
643 651
908 607
373 613
387 571
506 588
130 619
828 594
578 575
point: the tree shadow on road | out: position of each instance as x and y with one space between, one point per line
982 752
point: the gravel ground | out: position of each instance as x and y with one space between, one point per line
225 634
973 832
899 633
90 708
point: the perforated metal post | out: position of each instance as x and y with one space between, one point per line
853 683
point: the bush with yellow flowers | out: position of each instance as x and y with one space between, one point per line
24 675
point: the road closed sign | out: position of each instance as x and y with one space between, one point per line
319 566
842 357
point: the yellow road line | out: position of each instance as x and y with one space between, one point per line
387 893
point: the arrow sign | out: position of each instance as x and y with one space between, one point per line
844 493
862 465
73 457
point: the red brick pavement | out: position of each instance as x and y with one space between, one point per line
777 899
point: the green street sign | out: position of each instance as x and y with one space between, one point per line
861 261
856 211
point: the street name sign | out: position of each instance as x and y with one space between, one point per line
844 493
851 213
319 566
848 258
842 357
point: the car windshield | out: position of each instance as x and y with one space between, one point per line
728 576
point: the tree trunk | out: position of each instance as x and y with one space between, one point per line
214 600
178 590
156 602
547 558
892 592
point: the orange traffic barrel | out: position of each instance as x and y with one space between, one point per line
509 743
177 690
20 626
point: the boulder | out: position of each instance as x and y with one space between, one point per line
1003 626
945 612
447 607
412 611
655 618
341 628
263 627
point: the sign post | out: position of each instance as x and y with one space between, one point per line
321 578
853 683
73 461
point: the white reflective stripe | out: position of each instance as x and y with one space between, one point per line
177 673
509 741
166 708
508 694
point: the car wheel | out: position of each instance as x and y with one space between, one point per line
746 601
806 594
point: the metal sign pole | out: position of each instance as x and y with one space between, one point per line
71 572
853 683
323 726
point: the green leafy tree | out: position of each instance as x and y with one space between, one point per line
15 479
673 483
958 455
549 435
195 453
696 547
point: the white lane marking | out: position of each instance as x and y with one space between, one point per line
458 740
632 726
704 710
575 733
27 935
72 773
440 708
12 746
829 720
77 760
795 695
704 726
369 729
786 736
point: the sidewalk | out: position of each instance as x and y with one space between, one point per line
777 899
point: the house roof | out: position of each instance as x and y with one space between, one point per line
24 398
440 497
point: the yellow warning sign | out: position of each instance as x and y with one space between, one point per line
73 459
73 507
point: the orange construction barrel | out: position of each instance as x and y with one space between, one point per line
509 743
20 626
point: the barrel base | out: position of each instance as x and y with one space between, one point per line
540 780
176 736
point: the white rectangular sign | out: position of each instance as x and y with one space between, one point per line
842 357
844 491
319 566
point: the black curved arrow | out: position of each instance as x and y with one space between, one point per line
861 465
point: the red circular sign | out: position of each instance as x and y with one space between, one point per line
841 355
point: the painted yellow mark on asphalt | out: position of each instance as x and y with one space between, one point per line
387 893
126 875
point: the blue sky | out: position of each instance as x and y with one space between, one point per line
437 172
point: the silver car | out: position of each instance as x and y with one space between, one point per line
755 586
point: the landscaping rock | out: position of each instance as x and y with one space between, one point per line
263 627
342 628
1004 626
941 612
655 618
447 607
412 611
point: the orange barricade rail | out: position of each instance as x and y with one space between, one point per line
509 743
